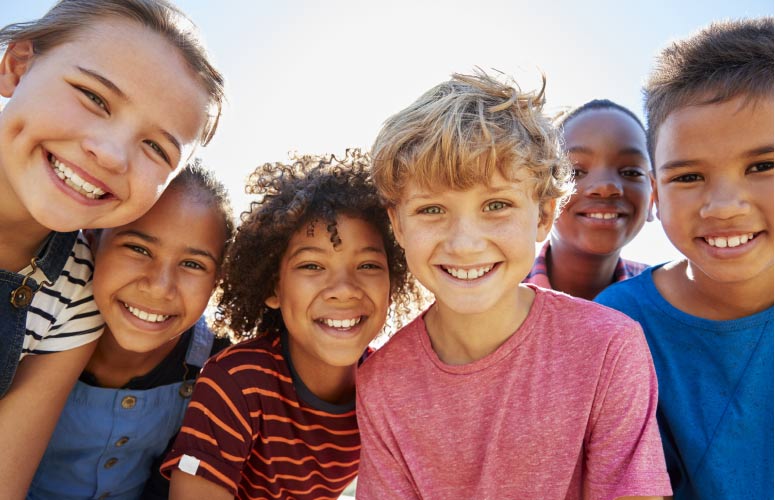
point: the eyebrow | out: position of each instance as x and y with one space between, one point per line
751 153
153 239
623 151
120 93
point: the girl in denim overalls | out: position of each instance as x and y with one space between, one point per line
104 100
152 281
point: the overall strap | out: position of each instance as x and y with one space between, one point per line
200 345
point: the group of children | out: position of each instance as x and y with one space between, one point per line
507 385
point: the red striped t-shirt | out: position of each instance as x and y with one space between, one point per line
259 432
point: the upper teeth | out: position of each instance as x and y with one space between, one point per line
146 316
597 215
74 180
730 241
342 323
468 274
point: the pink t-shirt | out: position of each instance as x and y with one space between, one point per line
565 408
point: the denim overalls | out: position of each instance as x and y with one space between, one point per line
13 319
107 439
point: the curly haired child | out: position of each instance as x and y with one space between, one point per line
499 389
308 284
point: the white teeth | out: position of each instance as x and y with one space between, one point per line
597 215
731 241
146 316
74 180
341 323
468 274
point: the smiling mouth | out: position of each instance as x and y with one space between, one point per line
144 315
341 324
73 180
601 215
730 241
468 274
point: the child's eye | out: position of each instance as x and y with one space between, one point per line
138 249
94 98
578 173
158 150
763 166
310 266
371 265
632 172
494 206
687 178
193 265
431 210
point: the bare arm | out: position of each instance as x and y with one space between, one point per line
30 410
184 486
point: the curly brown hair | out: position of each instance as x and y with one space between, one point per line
310 189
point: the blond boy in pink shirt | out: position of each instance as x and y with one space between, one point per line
498 390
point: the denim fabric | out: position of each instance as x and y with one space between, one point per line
51 260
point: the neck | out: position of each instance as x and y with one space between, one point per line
333 384
692 292
579 274
459 339
20 234
113 366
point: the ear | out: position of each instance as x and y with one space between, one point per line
653 200
545 219
273 302
395 223
15 62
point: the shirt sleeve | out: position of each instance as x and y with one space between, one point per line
623 448
216 438
380 475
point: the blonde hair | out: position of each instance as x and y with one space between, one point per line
462 131
68 17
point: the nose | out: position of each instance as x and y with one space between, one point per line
109 149
464 236
724 200
343 285
159 281
604 182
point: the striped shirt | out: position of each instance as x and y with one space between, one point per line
64 315
625 269
253 428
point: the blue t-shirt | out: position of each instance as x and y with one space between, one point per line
715 378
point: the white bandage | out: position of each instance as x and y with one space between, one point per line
188 464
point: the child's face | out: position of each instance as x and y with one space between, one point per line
471 248
95 127
334 301
610 159
714 187
153 277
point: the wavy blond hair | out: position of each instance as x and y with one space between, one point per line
462 131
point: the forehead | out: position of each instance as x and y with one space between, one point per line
715 132
606 124
355 234
158 83
522 182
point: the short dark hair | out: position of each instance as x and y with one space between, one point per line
307 190
598 104
723 61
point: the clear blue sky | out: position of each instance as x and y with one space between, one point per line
316 77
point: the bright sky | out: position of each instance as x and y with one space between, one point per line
318 77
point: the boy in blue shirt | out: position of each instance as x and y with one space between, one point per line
708 317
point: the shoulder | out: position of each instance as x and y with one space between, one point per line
248 360
401 349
